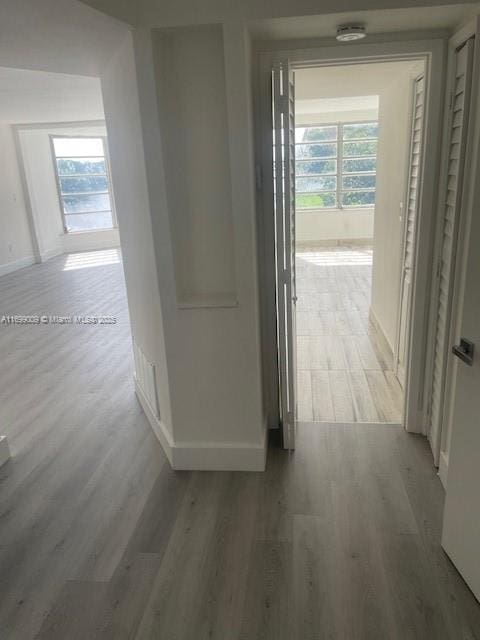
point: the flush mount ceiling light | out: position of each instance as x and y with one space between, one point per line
350 32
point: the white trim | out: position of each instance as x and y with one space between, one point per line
157 425
318 245
4 450
60 125
432 51
379 329
443 469
405 211
21 263
219 456
26 194
109 192
200 456
51 253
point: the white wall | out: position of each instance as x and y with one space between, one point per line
16 249
127 158
212 352
317 227
207 360
42 189
192 101
392 163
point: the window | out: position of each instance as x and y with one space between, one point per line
335 165
83 183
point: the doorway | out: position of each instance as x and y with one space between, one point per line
313 360
357 132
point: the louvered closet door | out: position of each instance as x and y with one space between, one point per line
410 223
459 107
284 208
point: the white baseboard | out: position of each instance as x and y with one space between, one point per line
374 320
219 456
443 469
91 240
330 242
10 267
51 253
4 450
198 456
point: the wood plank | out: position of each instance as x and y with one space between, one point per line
382 397
340 538
342 400
322 397
266 611
304 396
365 410
337 335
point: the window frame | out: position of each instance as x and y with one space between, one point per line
106 157
339 158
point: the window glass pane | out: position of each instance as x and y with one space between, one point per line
361 130
77 204
362 148
328 150
358 198
319 183
83 185
359 165
315 200
73 147
88 221
312 134
69 166
318 166
358 181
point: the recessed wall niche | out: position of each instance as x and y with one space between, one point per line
190 73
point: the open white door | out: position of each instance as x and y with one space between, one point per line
284 207
459 103
410 225
461 524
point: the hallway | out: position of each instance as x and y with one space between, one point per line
344 369
338 540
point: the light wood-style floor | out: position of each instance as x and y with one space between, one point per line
100 539
344 370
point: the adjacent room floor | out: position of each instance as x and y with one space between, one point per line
99 538
344 368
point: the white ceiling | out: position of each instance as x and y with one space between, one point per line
385 21
276 17
348 80
38 96
64 36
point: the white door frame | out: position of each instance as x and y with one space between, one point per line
432 51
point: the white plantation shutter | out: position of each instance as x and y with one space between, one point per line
411 220
412 204
284 205
452 203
